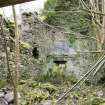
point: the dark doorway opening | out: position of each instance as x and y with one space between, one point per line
60 62
35 53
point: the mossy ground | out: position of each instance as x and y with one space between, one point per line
34 92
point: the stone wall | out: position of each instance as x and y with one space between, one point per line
42 36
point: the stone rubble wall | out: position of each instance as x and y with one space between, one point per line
37 34
40 34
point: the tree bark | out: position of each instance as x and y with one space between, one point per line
103 23
16 75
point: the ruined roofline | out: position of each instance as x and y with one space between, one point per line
4 3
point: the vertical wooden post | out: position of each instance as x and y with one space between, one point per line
16 56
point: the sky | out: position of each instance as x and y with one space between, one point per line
29 6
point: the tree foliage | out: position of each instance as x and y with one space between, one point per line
68 14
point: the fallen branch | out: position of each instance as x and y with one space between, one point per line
95 70
98 68
92 68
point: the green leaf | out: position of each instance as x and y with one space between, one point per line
26 45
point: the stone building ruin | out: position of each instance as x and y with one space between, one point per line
47 45
45 40
53 45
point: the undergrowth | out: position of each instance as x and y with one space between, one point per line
34 92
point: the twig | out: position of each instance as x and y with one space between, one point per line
95 12
80 35
72 11
97 51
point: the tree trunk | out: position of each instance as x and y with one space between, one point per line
16 75
103 22
95 20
